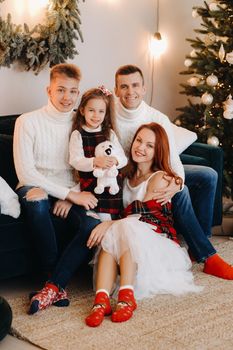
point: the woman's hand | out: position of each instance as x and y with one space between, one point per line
86 199
98 233
165 194
61 208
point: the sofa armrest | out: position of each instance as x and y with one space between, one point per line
208 155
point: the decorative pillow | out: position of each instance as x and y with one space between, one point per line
9 203
183 137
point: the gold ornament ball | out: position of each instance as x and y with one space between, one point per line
193 81
207 98
213 140
212 80
188 62
213 6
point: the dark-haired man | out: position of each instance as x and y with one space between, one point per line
195 226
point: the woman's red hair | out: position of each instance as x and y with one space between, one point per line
161 159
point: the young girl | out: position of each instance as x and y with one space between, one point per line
93 125
144 244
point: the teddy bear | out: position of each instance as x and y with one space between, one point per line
106 177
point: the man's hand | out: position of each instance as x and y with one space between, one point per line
165 194
61 208
98 233
86 199
105 162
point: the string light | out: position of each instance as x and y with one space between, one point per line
157 44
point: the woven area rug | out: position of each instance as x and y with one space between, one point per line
194 321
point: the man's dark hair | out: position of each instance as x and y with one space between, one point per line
126 70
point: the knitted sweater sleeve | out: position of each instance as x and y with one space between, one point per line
77 158
121 157
174 156
24 161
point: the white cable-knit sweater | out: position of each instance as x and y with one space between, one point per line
128 121
41 150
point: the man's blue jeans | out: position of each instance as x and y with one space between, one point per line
193 210
46 239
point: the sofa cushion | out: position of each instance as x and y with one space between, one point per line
183 137
9 202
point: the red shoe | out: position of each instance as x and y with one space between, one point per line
100 309
125 306
46 297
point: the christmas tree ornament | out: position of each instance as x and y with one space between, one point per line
228 108
195 13
193 81
221 53
223 39
178 122
188 62
212 80
215 23
193 53
207 98
213 140
210 39
229 57
213 6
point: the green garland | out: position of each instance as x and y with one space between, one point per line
51 43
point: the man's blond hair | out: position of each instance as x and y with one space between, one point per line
67 69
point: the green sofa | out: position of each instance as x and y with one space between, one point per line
16 257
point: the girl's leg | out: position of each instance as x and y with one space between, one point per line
106 275
126 302
106 271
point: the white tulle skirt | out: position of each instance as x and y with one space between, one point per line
163 267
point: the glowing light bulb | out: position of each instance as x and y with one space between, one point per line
157 45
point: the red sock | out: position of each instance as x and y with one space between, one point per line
100 309
125 306
216 266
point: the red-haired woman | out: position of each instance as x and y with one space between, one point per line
143 245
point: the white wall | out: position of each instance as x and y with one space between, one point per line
115 32
176 24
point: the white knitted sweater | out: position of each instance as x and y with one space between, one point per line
128 121
41 150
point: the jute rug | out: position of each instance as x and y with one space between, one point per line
194 321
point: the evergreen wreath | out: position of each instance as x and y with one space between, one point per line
51 43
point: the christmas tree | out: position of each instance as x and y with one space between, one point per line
210 65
